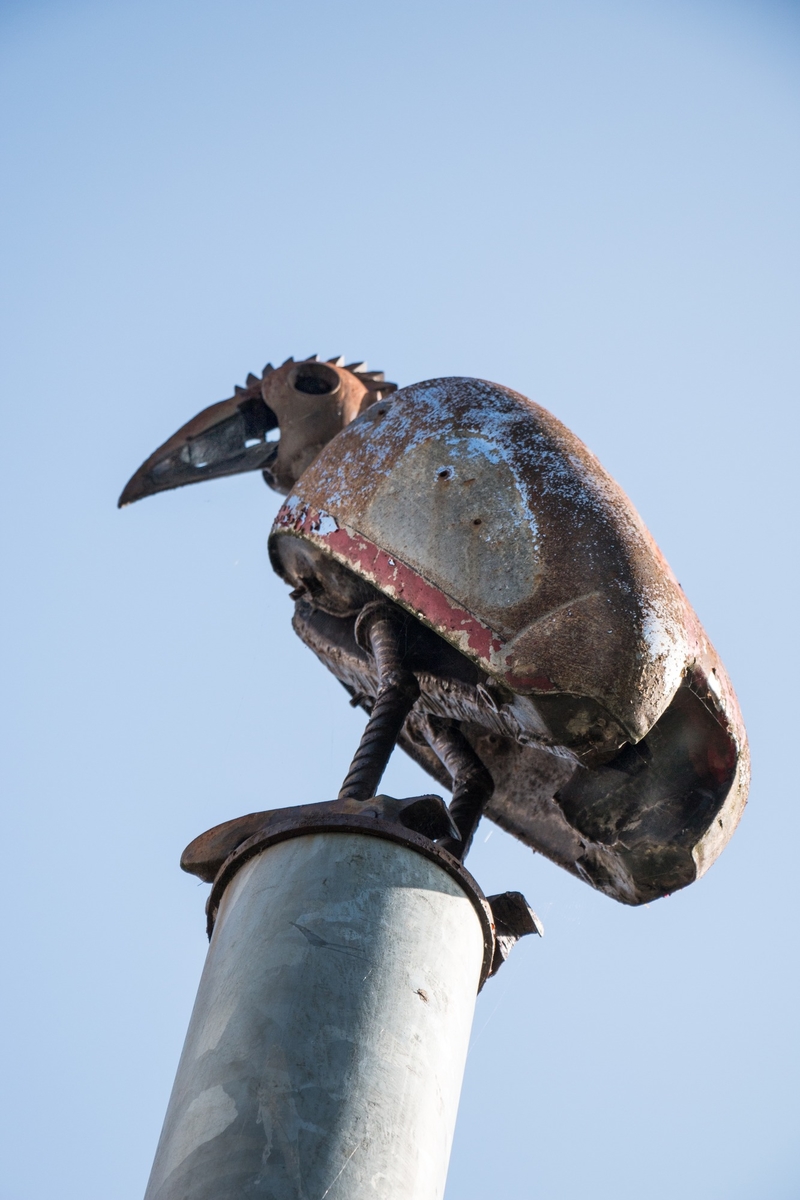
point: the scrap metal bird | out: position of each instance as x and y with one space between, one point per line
489 596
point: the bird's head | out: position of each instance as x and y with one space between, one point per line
276 424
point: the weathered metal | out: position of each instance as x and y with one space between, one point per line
535 611
305 403
327 1044
471 785
416 822
379 633
584 680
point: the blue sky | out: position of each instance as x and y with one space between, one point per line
596 204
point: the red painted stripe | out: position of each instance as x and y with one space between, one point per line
392 576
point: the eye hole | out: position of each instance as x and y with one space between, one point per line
477 521
312 385
314 379
444 473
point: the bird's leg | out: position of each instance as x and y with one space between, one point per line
378 631
472 783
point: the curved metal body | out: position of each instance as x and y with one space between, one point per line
566 648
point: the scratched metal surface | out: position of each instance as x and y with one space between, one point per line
336 956
597 701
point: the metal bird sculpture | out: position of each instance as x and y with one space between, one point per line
490 597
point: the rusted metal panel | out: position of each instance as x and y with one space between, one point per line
487 521
495 511
645 824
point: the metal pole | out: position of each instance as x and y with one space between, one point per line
326 1050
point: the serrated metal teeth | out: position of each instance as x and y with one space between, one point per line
373 379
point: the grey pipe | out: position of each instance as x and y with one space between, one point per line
326 1049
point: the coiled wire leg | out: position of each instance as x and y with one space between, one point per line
378 631
472 784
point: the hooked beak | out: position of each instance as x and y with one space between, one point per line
235 435
277 424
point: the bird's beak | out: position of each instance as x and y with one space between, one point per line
236 435
277 424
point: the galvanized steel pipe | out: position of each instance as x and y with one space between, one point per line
326 1049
